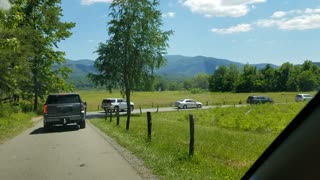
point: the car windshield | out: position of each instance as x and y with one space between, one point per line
194 89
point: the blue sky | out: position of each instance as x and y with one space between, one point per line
247 31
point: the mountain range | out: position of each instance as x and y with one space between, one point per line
177 66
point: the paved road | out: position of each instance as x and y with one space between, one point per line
63 153
97 114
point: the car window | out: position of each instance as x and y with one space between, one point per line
58 99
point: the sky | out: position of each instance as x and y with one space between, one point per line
246 31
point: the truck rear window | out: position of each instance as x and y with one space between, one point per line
61 99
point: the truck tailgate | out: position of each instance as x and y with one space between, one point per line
64 109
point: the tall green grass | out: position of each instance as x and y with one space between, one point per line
227 140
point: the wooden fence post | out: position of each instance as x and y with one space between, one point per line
191 146
140 110
157 108
110 115
106 116
118 117
149 123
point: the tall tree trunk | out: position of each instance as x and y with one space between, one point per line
36 89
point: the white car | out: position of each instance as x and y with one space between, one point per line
115 104
188 103
303 97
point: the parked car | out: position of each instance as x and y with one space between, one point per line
259 100
115 104
64 109
303 97
188 103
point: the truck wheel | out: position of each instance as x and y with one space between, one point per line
184 106
46 126
199 106
82 124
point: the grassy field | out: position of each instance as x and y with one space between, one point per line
227 140
168 98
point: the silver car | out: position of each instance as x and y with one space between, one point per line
116 104
188 103
303 97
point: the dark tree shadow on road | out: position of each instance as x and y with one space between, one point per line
56 129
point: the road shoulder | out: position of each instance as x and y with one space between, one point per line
135 162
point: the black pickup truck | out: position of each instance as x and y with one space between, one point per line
64 108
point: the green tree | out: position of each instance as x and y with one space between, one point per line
307 81
201 81
15 47
217 81
268 79
232 78
135 48
248 79
43 18
283 74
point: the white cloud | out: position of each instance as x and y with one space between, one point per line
5 4
293 20
278 14
301 23
233 29
89 2
221 8
169 15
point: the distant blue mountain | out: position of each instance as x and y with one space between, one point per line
177 66
183 66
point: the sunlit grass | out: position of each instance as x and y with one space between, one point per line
11 126
227 140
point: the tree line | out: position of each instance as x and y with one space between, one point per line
288 77
248 78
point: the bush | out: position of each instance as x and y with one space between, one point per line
195 90
6 110
26 106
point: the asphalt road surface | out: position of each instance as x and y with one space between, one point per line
62 153
97 114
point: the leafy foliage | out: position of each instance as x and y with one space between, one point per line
34 28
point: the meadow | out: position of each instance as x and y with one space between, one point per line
227 140
168 98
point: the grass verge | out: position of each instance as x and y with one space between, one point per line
227 140
14 124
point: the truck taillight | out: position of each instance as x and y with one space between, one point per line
83 108
45 109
